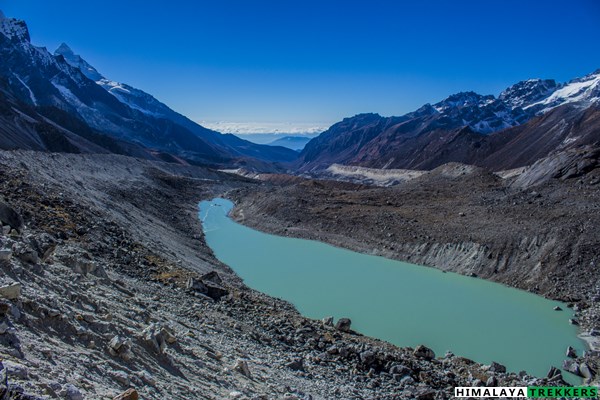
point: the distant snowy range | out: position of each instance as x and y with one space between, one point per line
287 134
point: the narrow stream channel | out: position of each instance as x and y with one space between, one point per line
401 303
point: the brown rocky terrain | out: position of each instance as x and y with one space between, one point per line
107 289
423 142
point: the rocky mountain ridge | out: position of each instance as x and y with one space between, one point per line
66 82
465 127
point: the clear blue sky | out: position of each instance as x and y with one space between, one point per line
317 61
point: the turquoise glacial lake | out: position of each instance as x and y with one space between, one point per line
398 302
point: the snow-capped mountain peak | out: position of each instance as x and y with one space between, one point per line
526 92
462 99
76 61
581 91
14 29
132 97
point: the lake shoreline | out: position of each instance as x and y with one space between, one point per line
547 308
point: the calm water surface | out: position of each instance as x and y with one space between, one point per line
402 303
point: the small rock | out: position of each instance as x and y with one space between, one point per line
327 321
557 308
491 381
296 365
241 366
367 358
554 374
214 355
15 311
129 394
197 285
595 332
70 392
158 337
5 255
18 370
496 367
120 376
343 324
424 352
147 378
571 352
26 254
400 370
407 380
4 308
573 321
4 327
572 367
586 371
11 292
425 394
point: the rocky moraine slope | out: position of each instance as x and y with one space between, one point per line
107 286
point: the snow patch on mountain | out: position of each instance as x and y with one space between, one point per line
526 92
583 91
14 29
26 86
129 96
76 61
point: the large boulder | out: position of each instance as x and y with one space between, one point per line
343 324
120 347
555 375
213 277
11 291
368 358
157 337
129 394
424 352
209 285
496 367
8 216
